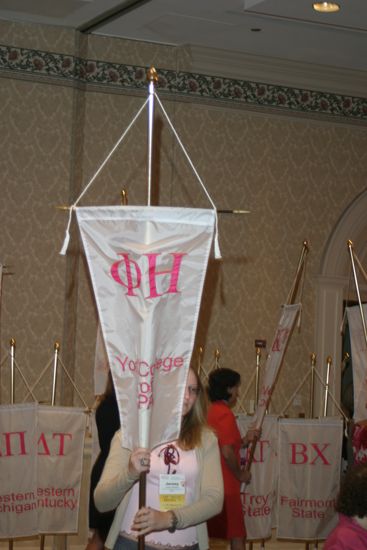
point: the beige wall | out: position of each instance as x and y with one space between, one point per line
295 172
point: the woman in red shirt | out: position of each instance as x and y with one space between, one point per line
223 388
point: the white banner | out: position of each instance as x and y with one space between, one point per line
273 363
359 361
101 366
41 455
309 477
148 266
259 496
18 471
60 464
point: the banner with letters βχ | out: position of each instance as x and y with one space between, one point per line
41 454
259 496
309 477
359 361
148 266
273 363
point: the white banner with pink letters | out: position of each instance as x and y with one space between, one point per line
41 453
309 477
148 266
259 496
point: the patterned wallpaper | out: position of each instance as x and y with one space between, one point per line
291 163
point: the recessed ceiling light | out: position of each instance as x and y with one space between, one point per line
256 29
326 7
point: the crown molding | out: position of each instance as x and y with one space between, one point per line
277 71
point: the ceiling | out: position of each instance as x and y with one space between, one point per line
284 29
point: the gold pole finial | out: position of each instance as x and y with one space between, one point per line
57 346
258 351
305 244
124 197
12 342
152 75
350 243
217 353
329 360
313 359
63 207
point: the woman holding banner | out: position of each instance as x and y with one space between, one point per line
191 465
223 388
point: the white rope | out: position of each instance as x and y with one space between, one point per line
72 207
360 266
216 241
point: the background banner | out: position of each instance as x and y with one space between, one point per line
41 454
273 363
18 470
309 477
61 433
359 361
259 496
148 267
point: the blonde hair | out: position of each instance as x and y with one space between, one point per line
194 421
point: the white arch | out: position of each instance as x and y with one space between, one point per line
332 287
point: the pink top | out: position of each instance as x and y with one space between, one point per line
347 535
184 462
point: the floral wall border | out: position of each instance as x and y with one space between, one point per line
74 70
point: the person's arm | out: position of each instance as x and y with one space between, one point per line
121 471
232 462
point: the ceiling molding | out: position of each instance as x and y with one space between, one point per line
277 71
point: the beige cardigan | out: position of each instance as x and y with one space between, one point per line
113 489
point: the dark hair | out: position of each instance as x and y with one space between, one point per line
219 381
352 499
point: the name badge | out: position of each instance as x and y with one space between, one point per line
171 491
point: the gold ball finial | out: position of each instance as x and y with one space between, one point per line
152 75
12 342
329 360
57 346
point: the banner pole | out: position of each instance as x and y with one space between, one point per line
328 362
216 358
54 378
312 383
351 252
293 292
152 78
12 374
257 378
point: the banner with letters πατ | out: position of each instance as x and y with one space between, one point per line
259 496
148 266
309 477
41 453
359 361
